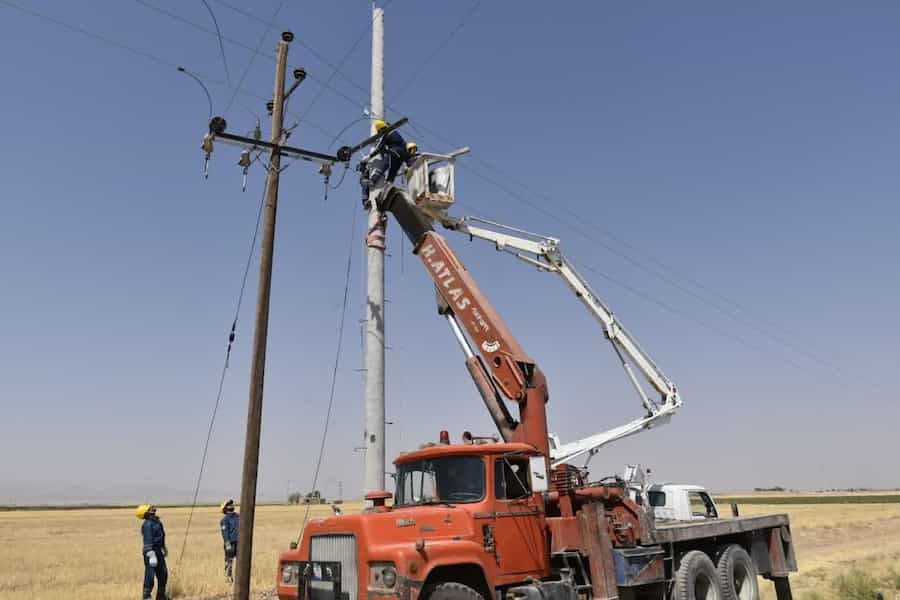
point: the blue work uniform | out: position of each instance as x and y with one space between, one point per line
389 155
229 525
154 538
391 149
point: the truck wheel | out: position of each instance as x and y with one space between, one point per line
453 591
696 578
737 575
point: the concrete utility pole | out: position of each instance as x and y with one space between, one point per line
375 241
257 372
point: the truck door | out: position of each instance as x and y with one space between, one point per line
702 506
519 533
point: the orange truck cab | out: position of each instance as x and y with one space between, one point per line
463 514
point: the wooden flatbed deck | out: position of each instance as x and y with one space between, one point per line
680 531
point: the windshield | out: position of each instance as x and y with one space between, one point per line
657 498
455 479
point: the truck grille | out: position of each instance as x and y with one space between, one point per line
342 549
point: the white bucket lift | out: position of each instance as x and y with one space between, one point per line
430 182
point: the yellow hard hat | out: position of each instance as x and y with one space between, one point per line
141 511
224 506
380 124
412 147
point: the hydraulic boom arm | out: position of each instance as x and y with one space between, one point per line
499 366
496 361
545 254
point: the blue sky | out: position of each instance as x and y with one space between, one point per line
725 174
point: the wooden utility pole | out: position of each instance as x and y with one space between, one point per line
258 368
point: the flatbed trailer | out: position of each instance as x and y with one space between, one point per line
767 539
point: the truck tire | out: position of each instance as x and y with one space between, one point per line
452 591
696 578
737 575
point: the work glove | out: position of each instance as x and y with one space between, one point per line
151 559
165 551
228 547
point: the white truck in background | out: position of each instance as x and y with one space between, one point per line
679 502
669 501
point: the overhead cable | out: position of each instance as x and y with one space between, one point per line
253 56
340 64
221 45
431 56
231 338
337 361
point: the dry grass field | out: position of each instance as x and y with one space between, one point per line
95 554
857 542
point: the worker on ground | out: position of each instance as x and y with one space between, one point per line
154 551
229 525
383 162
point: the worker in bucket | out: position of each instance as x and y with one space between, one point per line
383 162
154 551
412 153
229 524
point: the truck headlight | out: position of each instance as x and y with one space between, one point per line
389 576
382 575
290 573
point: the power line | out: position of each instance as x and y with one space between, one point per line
154 58
199 81
337 361
418 125
90 34
253 56
315 53
341 62
761 325
685 315
772 330
676 282
254 51
231 338
218 35
741 340
421 68
221 45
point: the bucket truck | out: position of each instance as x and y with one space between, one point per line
512 518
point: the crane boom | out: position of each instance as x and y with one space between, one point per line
501 369
495 359
545 254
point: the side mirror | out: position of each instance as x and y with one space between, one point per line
538 466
